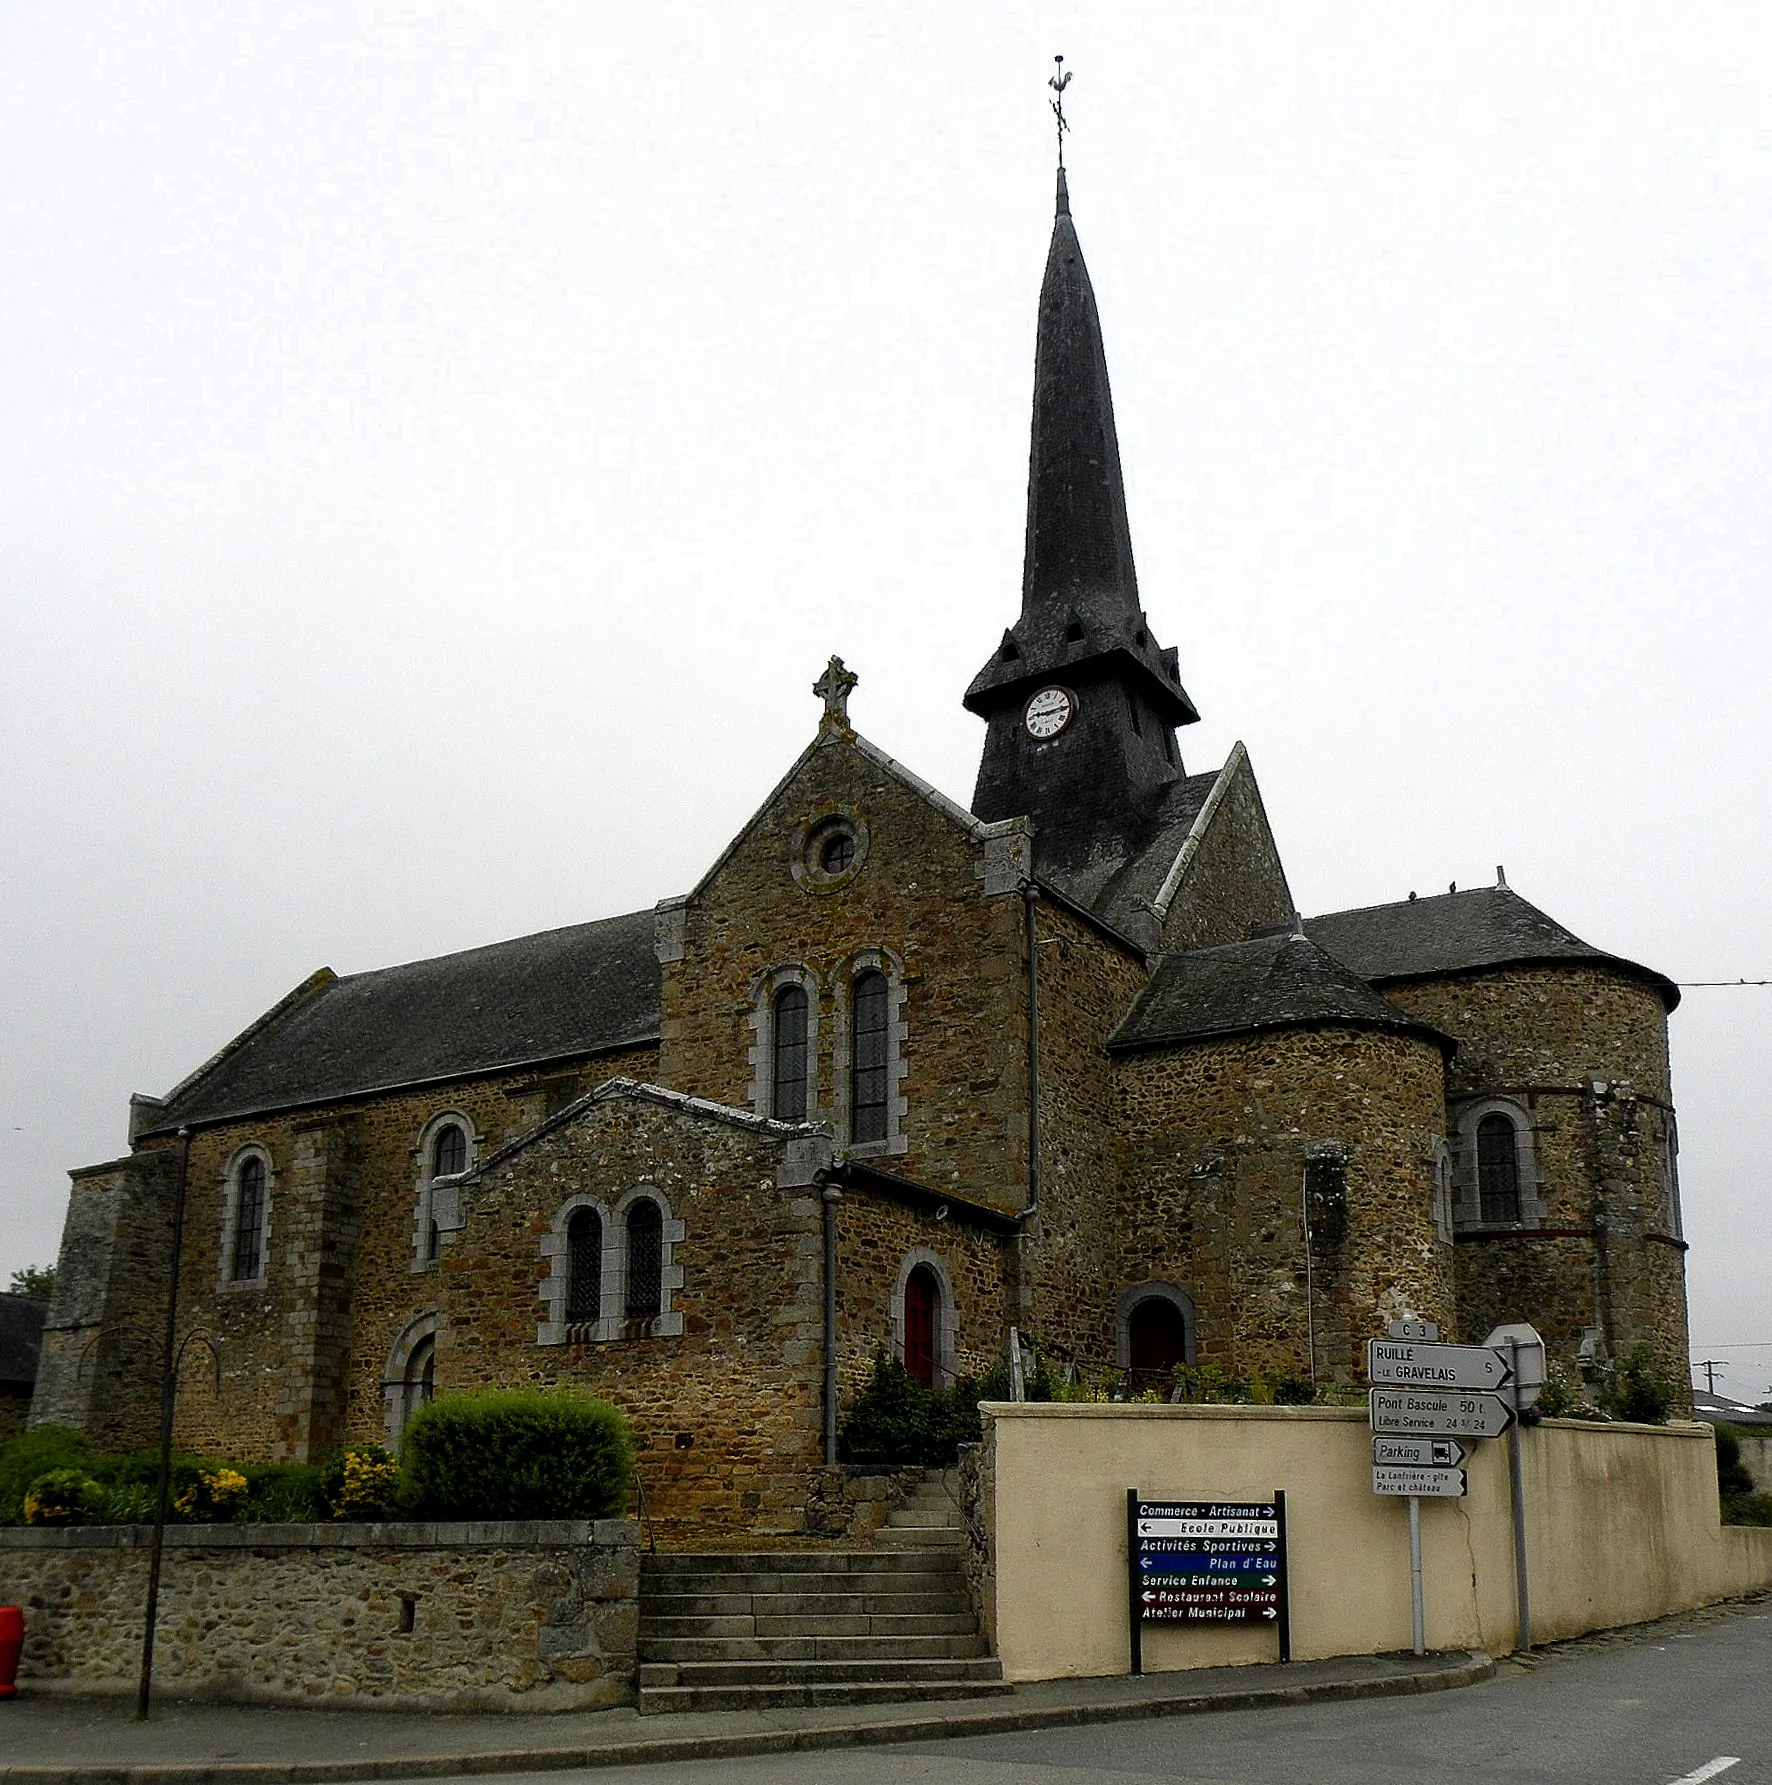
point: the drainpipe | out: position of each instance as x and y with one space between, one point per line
1030 895
830 1195
168 1397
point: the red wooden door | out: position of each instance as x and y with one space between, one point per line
921 1293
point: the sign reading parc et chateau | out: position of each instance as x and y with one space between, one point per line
1206 1562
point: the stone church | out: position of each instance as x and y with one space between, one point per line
901 1073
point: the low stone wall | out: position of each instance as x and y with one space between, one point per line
530 1616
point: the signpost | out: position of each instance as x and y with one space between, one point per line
1524 1350
1205 1562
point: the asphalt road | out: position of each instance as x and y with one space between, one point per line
1640 1708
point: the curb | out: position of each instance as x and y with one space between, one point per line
1472 1670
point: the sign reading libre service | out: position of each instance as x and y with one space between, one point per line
1206 1562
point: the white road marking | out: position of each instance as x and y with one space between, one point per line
1709 1770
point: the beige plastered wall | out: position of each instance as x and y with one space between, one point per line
1622 1526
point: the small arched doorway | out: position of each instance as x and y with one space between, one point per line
1156 1336
922 1303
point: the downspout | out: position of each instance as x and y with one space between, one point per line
830 1195
1030 895
168 1398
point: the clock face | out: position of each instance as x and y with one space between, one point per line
1049 712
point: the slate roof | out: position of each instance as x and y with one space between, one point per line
1461 932
1119 885
552 996
21 1339
1273 982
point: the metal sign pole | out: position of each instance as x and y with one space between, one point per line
1418 1615
1517 1484
1134 1607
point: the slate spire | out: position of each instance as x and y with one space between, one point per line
1092 784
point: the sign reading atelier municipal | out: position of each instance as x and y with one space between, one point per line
1206 1562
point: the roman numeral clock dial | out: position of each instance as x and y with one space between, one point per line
1049 712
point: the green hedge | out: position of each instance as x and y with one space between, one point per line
898 1421
516 1453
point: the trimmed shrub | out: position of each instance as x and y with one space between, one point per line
63 1497
31 1454
517 1453
1641 1389
897 1420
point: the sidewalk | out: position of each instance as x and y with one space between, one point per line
65 1741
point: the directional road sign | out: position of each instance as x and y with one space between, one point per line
1443 1484
1208 1561
1423 1453
1402 1364
1440 1413
1525 1347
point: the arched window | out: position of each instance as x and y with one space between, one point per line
922 1305
584 1267
1498 1168
868 1058
421 1375
788 1097
1156 1336
246 1255
645 1260
409 1378
449 1152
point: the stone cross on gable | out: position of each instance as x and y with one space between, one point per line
834 688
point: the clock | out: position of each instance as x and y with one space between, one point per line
1049 712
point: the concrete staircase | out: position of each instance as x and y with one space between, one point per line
929 1518
808 1627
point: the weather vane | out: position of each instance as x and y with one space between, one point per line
1058 83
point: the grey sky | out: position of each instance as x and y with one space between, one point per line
440 445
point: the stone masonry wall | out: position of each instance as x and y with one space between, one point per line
916 894
1236 881
1219 1137
1583 1050
303 1349
517 1617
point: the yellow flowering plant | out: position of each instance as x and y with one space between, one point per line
213 1496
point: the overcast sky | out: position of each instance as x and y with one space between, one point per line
440 445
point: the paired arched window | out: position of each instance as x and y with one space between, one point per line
869 1050
246 1259
612 1274
1498 1168
788 1031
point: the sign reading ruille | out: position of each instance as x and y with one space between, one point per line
1403 1364
1209 1561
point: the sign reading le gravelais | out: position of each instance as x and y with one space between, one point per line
1209 1561
1395 1363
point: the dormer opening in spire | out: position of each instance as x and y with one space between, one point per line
1082 710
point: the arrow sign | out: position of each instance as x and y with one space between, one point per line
1443 1484
1422 1453
1403 1364
1439 1413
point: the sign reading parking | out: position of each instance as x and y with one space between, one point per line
1206 1562
1423 1453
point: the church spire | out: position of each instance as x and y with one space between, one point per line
1081 701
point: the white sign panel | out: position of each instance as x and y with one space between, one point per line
1397 1363
1440 1484
1440 1413
1423 1453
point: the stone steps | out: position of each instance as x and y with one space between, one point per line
929 1518
784 1628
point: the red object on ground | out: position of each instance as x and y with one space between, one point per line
12 1640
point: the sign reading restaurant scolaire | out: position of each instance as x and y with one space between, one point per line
1394 1363
1206 1562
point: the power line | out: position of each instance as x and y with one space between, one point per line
1687 985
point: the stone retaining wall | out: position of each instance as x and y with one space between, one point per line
530 1616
